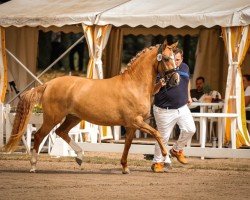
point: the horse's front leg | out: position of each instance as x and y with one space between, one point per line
130 132
143 126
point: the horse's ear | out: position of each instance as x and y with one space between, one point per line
165 44
174 46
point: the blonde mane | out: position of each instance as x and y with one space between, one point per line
132 60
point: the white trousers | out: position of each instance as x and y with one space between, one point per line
166 119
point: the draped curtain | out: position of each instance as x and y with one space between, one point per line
113 53
96 37
22 43
211 60
3 66
237 40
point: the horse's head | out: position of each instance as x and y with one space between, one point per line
166 64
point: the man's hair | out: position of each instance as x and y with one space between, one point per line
201 78
177 50
247 76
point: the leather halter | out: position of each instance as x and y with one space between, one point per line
168 75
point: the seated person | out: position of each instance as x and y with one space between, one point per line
246 84
202 92
197 93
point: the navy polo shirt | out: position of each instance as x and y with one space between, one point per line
174 97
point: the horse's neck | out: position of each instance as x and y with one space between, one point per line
142 71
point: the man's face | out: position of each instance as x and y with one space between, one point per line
199 85
178 59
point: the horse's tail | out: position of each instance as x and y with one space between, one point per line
24 108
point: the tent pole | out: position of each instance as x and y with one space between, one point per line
20 63
51 65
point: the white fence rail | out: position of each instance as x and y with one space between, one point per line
6 120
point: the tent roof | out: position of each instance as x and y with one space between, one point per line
179 13
53 12
148 13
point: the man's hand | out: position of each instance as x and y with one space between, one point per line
162 82
159 85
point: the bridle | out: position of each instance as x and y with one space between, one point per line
168 75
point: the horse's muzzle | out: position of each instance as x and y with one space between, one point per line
173 80
176 79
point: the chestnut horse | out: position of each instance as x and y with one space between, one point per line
122 100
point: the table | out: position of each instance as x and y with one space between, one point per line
203 115
202 119
204 106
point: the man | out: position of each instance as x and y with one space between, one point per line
170 108
197 93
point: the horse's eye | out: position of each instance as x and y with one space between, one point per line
166 59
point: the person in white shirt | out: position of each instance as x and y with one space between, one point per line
246 84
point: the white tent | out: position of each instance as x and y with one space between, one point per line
164 13
96 17
47 13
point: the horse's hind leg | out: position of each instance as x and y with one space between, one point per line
38 138
63 130
129 137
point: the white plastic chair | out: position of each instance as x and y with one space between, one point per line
116 132
214 94
76 133
61 148
27 141
50 138
212 120
90 131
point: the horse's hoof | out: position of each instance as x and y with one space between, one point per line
79 161
126 171
32 170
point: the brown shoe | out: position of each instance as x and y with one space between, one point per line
157 167
179 155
